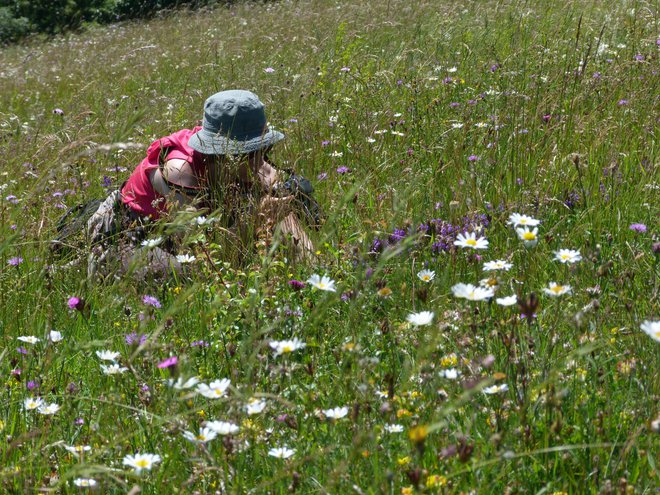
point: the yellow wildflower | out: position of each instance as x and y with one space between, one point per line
402 461
418 434
435 481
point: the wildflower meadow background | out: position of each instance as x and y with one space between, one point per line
481 315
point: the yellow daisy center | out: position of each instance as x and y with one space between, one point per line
218 391
565 256
321 285
287 348
529 236
557 289
142 463
201 437
426 278
471 242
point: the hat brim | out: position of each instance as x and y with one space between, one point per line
212 144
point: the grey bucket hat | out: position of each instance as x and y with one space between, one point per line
234 123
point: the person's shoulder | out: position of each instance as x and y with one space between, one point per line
179 172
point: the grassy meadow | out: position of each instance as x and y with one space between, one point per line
421 124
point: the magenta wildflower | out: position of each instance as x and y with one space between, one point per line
622 102
638 227
151 301
58 111
473 158
296 284
15 261
73 302
343 170
169 362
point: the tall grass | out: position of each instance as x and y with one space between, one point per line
416 121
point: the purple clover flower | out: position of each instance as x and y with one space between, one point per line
73 302
343 170
15 261
134 339
638 227
151 301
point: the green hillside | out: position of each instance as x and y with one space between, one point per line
418 123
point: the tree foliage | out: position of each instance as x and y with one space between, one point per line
19 18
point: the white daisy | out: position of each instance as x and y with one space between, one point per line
185 258
286 346
281 452
49 409
84 482
507 301
141 461
29 339
556 290
568 256
470 240
421 318
32 403
529 237
152 243
78 449
55 336
652 329
202 220
393 428
426 275
472 293
450 373
181 383
255 406
497 265
204 435
517 219
222 427
113 369
322 283
336 412
108 355
496 389
215 389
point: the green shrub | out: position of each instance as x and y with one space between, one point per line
12 28
57 16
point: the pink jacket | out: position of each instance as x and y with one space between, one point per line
138 193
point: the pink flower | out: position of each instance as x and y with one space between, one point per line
73 302
169 362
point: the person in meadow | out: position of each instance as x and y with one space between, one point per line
221 166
